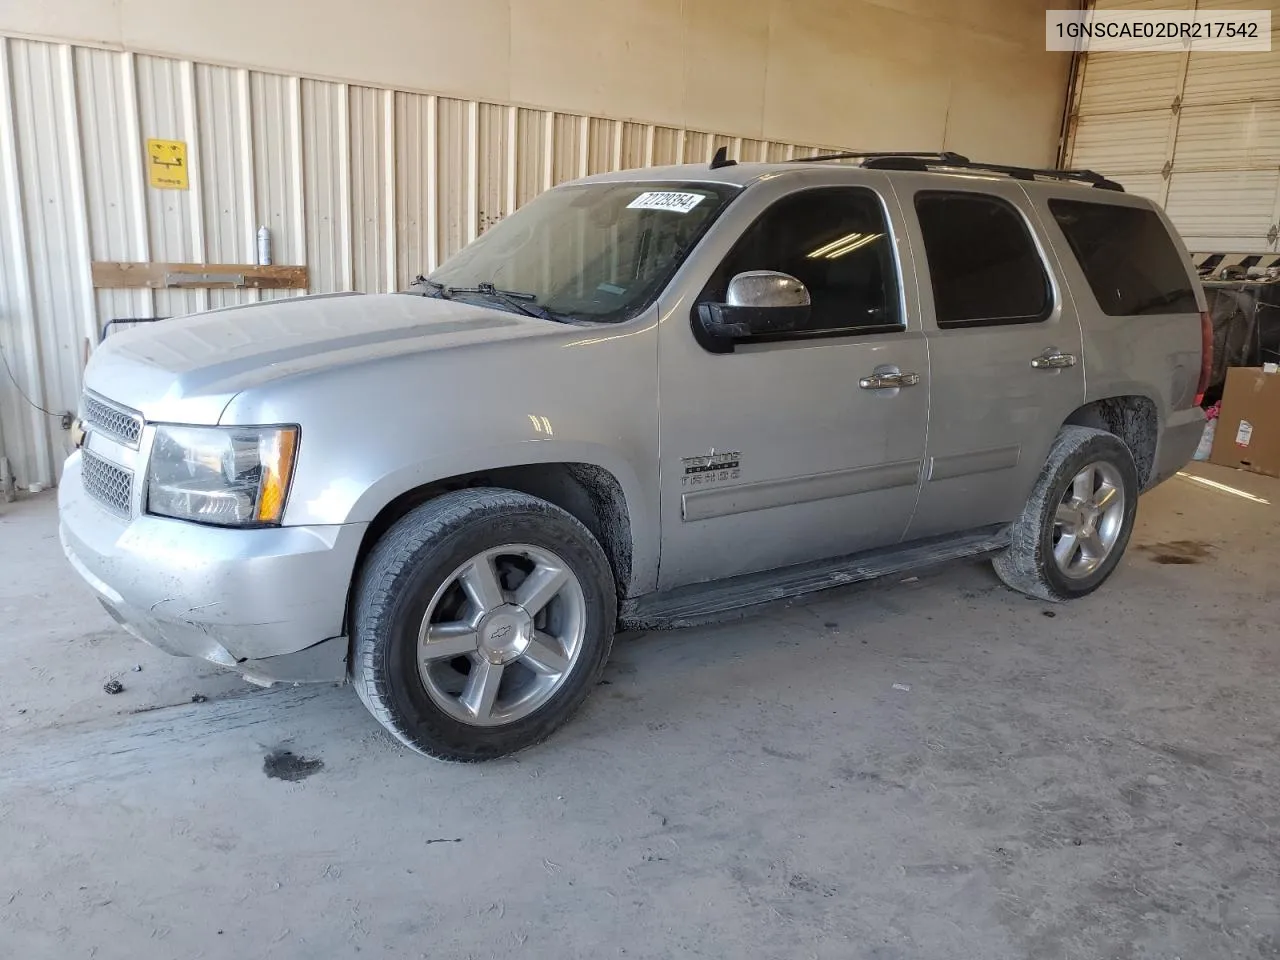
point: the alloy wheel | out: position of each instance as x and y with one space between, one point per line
1088 520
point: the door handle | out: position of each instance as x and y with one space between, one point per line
1054 361
889 381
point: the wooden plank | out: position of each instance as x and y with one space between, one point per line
111 274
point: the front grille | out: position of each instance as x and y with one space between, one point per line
110 485
118 423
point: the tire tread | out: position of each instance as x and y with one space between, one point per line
1022 566
389 562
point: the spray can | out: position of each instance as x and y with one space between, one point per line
264 247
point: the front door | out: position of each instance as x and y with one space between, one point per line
1004 347
805 446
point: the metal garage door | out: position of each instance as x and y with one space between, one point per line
1199 133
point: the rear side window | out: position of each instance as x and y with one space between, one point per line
983 264
1131 264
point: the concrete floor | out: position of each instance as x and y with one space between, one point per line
1097 780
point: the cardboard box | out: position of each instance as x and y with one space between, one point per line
1248 431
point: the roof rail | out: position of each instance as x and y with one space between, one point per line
911 160
945 156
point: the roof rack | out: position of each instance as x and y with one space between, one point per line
911 160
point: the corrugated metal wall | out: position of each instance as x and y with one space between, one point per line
366 187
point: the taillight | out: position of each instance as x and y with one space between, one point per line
1206 356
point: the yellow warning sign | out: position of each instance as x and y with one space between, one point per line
167 164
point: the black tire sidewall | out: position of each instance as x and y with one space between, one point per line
1098 448
420 720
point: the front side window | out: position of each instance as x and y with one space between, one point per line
836 242
983 264
1132 266
598 252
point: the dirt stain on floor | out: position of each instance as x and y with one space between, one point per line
286 765
1179 551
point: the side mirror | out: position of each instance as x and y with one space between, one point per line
758 303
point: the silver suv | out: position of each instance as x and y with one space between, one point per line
644 399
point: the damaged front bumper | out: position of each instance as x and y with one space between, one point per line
268 603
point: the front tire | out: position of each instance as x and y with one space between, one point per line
1077 522
481 621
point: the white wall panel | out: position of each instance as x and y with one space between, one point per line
1241 135
1223 211
1149 185
667 143
635 137
114 176
569 153
601 137
415 188
1228 77
1130 82
276 147
369 214
535 130
50 190
496 166
226 166
453 162
1197 132
1124 143
326 184
363 185
28 434
166 111
778 152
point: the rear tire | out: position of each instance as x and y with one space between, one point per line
1077 522
481 621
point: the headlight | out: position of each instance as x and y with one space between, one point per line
229 476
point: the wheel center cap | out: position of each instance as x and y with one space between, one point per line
505 633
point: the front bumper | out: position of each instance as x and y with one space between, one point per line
240 598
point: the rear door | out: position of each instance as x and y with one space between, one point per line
1139 305
1137 296
1004 347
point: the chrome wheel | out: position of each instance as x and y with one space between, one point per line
1089 520
501 635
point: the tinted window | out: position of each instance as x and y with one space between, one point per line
1125 252
982 262
835 242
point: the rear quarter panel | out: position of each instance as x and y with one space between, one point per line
1154 356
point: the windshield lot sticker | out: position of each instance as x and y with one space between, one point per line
666 200
710 468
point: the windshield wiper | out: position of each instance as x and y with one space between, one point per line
437 289
512 298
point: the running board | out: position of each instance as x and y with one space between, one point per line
700 602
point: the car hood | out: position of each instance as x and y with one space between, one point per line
188 369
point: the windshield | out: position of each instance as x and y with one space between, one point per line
595 251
